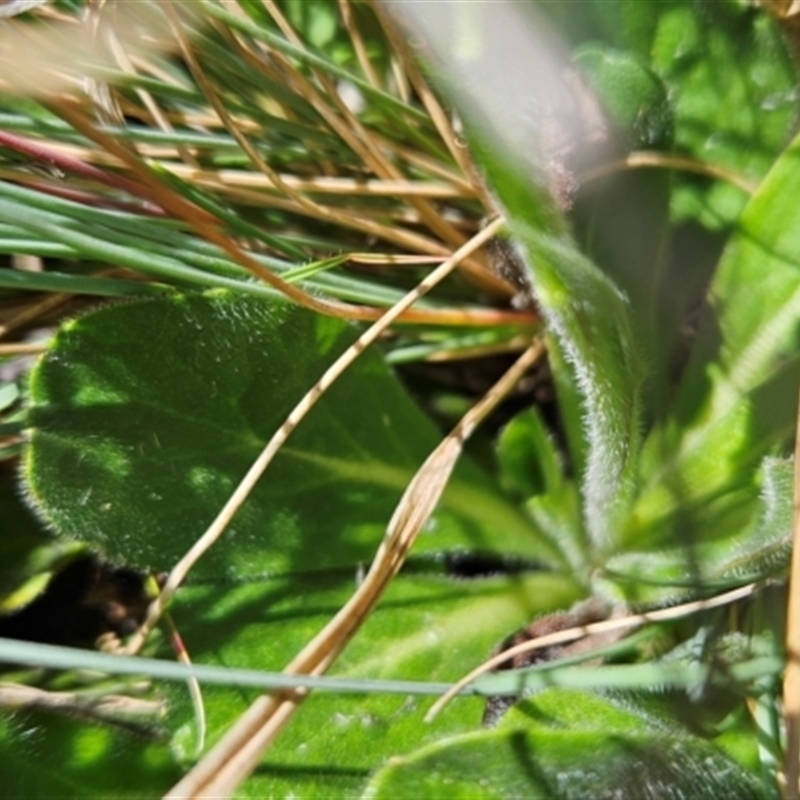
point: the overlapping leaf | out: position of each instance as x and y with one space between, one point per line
585 309
568 744
144 417
737 398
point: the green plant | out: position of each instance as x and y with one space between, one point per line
657 234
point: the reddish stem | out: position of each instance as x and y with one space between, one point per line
50 158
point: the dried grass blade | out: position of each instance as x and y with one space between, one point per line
192 684
242 491
646 159
360 48
239 752
578 632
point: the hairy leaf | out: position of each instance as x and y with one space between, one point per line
737 399
563 745
144 417
584 308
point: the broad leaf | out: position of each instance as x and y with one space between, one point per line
49 755
738 396
563 745
144 417
428 628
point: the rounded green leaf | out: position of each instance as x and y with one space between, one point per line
144 417
605 752
427 628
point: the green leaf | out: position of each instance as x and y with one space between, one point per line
740 121
583 307
738 397
144 417
563 745
531 467
55 756
426 628
529 461
633 96
758 550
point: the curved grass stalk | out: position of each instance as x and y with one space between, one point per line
192 684
578 632
646 159
32 311
240 494
240 750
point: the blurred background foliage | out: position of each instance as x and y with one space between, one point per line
153 151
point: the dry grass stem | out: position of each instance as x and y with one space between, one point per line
346 13
240 750
235 178
192 684
33 311
208 227
242 491
111 709
513 345
427 164
646 159
571 634
219 107
23 348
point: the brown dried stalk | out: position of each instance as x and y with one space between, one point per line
240 750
